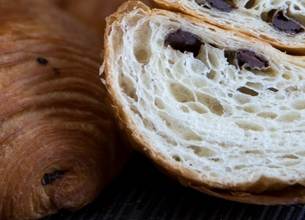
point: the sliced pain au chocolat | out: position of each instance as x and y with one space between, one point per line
184 41
248 59
279 19
221 5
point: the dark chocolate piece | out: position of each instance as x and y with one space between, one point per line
249 59
273 89
268 16
281 21
184 41
250 4
42 61
247 91
221 5
49 178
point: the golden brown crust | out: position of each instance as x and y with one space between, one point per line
293 50
58 140
289 195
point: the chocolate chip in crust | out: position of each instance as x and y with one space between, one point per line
184 41
281 21
221 5
249 59
42 61
50 178
248 91
273 89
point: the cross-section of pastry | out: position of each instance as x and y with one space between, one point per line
281 23
58 142
221 113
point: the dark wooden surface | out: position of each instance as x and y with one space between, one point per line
143 193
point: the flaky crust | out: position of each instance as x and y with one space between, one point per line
294 49
58 141
291 195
